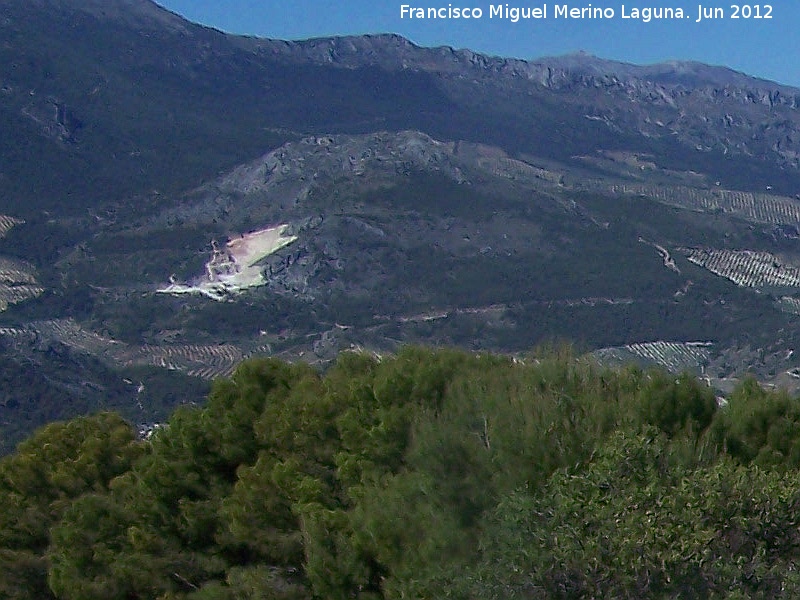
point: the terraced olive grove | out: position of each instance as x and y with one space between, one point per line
747 267
675 357
755 207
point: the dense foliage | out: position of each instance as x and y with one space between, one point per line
427 474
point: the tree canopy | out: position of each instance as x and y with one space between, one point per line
431 473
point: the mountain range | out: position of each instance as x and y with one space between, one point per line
175 199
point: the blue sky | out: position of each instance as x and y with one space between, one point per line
768 48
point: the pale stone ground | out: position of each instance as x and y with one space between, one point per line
234 268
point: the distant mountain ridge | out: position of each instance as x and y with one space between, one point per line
126 86
132 12
395 51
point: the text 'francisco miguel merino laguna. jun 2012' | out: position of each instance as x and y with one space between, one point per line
645 14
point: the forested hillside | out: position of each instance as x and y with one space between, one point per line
428 474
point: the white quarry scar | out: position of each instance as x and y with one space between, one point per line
235 268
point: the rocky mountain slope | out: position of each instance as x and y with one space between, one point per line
365 192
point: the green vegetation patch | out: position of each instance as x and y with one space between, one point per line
427 474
